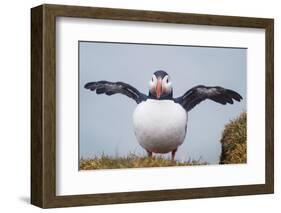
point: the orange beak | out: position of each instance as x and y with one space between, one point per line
159 88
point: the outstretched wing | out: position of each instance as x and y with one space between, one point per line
111 88
200 93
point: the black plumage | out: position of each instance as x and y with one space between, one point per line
111 88
200 93
188 100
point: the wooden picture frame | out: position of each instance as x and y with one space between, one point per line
43 105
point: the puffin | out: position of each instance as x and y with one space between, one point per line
159 119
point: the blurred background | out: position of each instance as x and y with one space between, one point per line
106 126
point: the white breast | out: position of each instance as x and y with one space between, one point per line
160 125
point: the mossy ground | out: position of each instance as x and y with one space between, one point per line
132 161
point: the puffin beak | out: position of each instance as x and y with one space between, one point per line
159 88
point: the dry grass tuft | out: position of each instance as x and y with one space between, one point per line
234 141
132 161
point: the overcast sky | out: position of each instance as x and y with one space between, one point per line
106 124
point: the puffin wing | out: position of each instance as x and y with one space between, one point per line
111 88
200 93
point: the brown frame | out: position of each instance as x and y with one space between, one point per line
43 105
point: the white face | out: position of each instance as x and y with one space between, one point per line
160 87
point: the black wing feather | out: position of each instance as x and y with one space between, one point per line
200 93
111 88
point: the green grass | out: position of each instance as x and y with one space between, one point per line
234 141
132 161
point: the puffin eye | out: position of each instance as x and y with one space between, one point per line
167 80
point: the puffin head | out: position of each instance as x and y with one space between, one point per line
160 85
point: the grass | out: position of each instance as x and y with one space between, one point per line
132 161
234 141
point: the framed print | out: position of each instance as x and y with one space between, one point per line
135 106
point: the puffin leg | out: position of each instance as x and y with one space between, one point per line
149 154
174 154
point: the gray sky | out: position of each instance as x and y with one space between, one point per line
106 124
